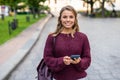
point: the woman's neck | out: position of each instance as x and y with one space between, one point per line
66 31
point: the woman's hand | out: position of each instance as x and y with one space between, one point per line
67 60
75 61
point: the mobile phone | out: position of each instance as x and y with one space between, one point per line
74 56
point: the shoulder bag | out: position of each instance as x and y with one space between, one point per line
43 72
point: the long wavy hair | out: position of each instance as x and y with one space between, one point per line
60 27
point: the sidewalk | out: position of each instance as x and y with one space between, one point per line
13 51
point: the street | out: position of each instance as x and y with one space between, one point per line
103 35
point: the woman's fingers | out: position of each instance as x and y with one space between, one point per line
66 60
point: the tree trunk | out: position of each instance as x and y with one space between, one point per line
91 3
103 9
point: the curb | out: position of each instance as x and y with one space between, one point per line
10 65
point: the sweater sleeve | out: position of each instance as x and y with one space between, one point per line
85 56
55 64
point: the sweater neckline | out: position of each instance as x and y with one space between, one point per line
66 35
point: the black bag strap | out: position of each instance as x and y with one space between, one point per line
54 41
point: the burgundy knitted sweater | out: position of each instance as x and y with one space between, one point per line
65 45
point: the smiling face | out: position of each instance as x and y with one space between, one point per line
67 19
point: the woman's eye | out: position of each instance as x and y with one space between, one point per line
64 16
71 16
68 16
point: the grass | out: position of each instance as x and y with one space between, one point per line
22 24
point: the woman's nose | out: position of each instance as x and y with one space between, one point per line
68 19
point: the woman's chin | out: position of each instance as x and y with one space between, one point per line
68 27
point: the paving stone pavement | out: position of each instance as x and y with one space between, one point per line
104 36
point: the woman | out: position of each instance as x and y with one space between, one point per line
64 42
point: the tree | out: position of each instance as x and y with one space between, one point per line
102 4
91 2
2 2
35 6
12 3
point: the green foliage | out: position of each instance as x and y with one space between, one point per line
12 3
2 2
34 3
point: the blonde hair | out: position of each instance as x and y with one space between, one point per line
59 25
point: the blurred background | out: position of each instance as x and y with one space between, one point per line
104 8
25 25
